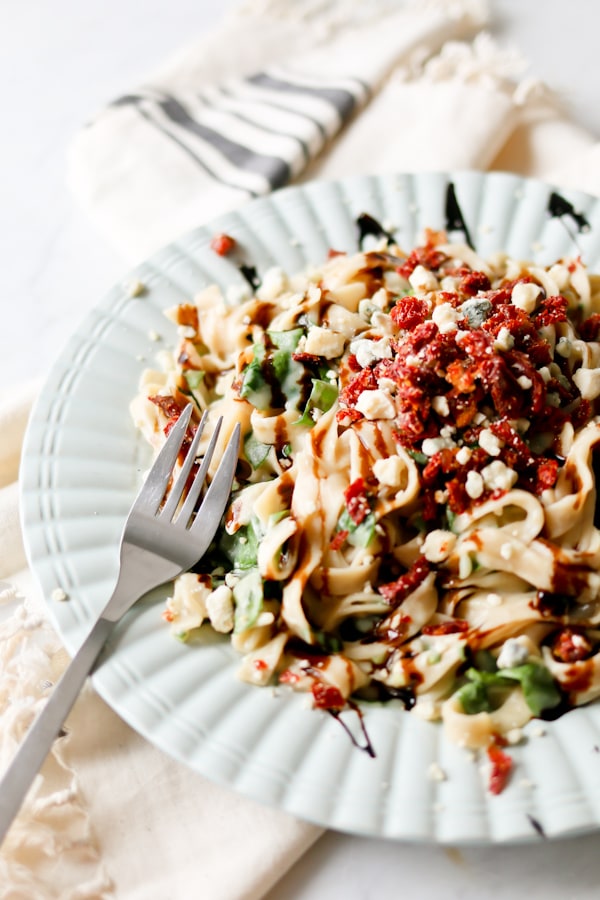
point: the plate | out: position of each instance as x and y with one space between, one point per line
83 462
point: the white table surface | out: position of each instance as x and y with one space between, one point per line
59 62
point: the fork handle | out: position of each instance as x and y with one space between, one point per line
38 741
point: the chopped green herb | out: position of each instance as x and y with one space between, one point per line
418 457
254 450
358 535
273 377
194 377
248 600
241 548
539 688
322 396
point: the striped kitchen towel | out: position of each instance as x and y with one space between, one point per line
287 90
247 109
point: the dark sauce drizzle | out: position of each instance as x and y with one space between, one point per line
536 826
367 746
455 221
559 206
251 275
367 225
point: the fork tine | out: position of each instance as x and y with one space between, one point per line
177 490
157 481
220 486
194 492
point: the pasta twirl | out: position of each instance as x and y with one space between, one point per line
413 515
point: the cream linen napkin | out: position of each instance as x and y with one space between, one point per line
369 88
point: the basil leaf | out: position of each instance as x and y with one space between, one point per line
418 457
273 366
322 396
248 600
286 340
240 548
538 686
358 535
473 698
254 450
193 378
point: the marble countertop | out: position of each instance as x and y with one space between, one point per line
59 62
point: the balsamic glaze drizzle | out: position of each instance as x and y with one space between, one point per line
455 220
537 826
251 275
367 747
559 206
367 225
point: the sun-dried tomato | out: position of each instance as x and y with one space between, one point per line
551 311
338 540
581 414
353 363
546 475
327 696
409 312
222 244
426 256
357 502
590 328
364 380
524 333
458 499
397 591
569 646
501 767
347 416
473 282
172 411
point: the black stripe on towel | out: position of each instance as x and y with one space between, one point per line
342 100
274 169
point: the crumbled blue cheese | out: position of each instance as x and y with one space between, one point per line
436 773
440 406
497 476
422 279
368 352
524 382
376 404
134 288
474 485
476 310
389 471
324 342
219 605
431 446
438 545
464 455
489 442
514 652
504 339
445 317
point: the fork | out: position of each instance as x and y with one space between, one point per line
165 533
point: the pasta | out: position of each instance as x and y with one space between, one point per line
413 516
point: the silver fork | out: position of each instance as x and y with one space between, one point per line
159 541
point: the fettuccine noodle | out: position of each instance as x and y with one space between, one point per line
413 516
